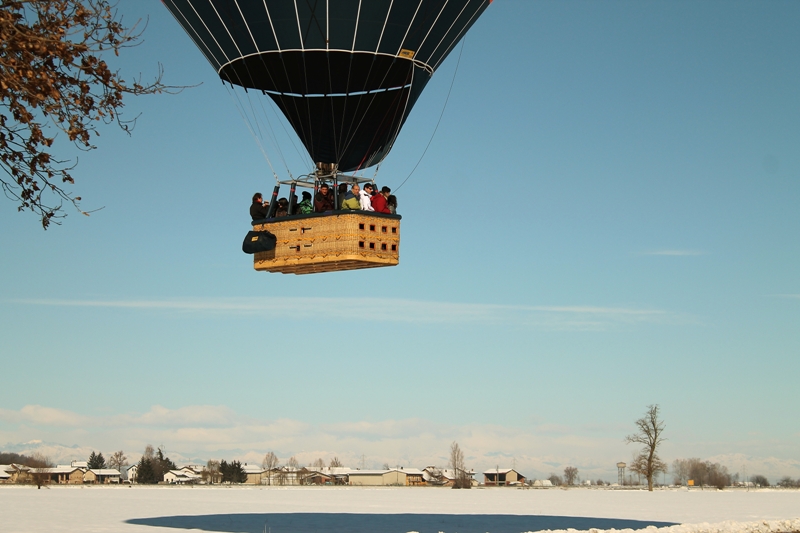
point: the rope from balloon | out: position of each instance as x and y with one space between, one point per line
461 51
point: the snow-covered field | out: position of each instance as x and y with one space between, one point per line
387 510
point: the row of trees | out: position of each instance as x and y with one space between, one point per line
153 465
570 478
702 473
117 461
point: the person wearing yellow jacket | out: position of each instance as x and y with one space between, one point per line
351 200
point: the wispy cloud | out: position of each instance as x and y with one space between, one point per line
674 253
383 310
39 415
157 416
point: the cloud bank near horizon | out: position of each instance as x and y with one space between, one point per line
200 432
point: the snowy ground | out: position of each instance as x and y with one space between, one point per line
387 510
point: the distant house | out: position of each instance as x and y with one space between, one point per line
316 477
101 476
325 475
393 476
542 483
500 477
444 476
130 473
61 474
5 475
66 475
255 474
286 475
16 473
183 476
197 469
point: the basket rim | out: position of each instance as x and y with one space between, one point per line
326 214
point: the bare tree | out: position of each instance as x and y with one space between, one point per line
281 477
555 479
650 428
41 468
462 478
211 473
638 466
292 463
335 463
54 79
118 460
270 463
570 475
680 471
319 464
149 452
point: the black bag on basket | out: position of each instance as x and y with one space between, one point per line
259 241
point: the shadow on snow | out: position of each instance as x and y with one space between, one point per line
384 523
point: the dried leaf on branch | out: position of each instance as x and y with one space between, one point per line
55 84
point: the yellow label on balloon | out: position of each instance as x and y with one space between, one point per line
408 54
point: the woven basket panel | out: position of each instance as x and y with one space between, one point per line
335 242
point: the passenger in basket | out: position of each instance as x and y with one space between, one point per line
379 201
283 208
351 200
324 200
305 207
258 210
391 203
365 199
342 193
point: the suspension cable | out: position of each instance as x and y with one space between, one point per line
237 103
463 41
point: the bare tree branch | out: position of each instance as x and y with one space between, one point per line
55 81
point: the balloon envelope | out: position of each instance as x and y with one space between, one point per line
345 73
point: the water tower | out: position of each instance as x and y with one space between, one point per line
621 473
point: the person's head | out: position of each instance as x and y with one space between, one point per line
283 202
323 188
368 188
391 200
385 191
306 195
257 198
355 188
342 188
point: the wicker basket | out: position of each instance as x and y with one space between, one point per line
329 243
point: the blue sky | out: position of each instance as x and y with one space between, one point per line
606 218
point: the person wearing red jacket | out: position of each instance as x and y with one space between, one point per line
379 201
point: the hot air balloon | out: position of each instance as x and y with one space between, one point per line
345 74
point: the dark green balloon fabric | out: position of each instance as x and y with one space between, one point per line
345 73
